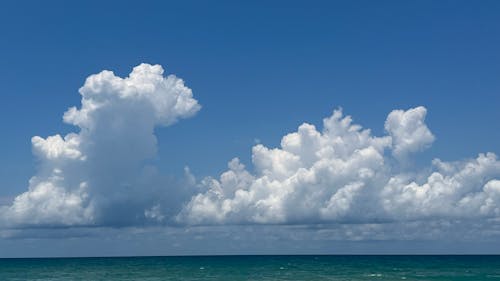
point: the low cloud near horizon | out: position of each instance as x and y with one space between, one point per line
338 174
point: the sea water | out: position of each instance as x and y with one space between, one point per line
254 268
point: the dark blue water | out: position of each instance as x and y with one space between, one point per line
255 268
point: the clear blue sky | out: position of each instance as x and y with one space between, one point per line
258 68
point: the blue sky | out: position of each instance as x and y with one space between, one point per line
258 69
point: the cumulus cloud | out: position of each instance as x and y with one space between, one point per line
340 174
344 174
98 175
408 131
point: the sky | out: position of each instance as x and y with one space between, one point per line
197 127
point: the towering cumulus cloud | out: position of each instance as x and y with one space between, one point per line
344 174
98 176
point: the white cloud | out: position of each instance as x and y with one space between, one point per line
97 176
466 189
341 174
55 147
344 174
408 131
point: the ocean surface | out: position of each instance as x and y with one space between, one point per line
255 268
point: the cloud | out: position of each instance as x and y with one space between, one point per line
408 131
437 237
98 176
344 174
339 175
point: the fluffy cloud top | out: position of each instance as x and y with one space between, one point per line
344 174
97 176
408 131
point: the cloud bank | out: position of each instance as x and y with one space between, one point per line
340 174
344 174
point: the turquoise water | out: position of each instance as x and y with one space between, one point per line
255 268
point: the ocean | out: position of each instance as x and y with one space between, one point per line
454 268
